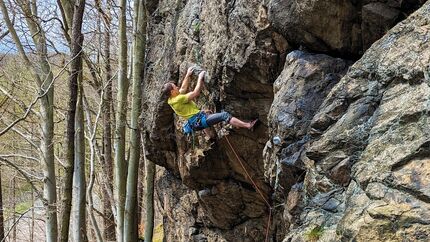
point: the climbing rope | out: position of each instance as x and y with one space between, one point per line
256 188
194 139
198 59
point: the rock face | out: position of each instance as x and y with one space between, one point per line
243 55
299 91
342 27
373 128
342 150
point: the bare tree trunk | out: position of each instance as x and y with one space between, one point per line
92 131
44 78
13 208
50 192
32 216
78 221
47 118
67 9
1 210
150 175
74 16
130 218
119 142
141 187
108 220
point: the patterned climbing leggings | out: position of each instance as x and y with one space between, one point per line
215 118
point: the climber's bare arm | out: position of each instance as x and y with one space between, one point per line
186 81
200 83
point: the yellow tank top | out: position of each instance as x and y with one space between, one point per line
182 106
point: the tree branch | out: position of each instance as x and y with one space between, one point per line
26 138
36 98
64 23
15 38
19 102
15 223
19 156
91 139
96 84
25 175
4 34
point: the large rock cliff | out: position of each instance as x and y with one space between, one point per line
351 161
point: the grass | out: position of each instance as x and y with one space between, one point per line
314 234
157 236
158 233
196 28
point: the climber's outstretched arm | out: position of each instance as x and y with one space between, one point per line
186 81
200 83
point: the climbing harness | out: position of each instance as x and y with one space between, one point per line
256 188
195 123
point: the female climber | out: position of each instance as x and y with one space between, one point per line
182 103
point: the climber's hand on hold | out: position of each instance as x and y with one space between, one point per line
200 85
186 81
190 71
202 75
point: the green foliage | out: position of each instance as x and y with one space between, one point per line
25 187
314 234
158 233
196 27
22 207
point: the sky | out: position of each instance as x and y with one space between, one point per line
50 17
48 12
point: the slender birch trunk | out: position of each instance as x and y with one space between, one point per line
1 209
44 78
74 13
130 218
141 187
108 220
92 132
13 207
121 115
78 212
150 175
67 10
50 192
32 216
